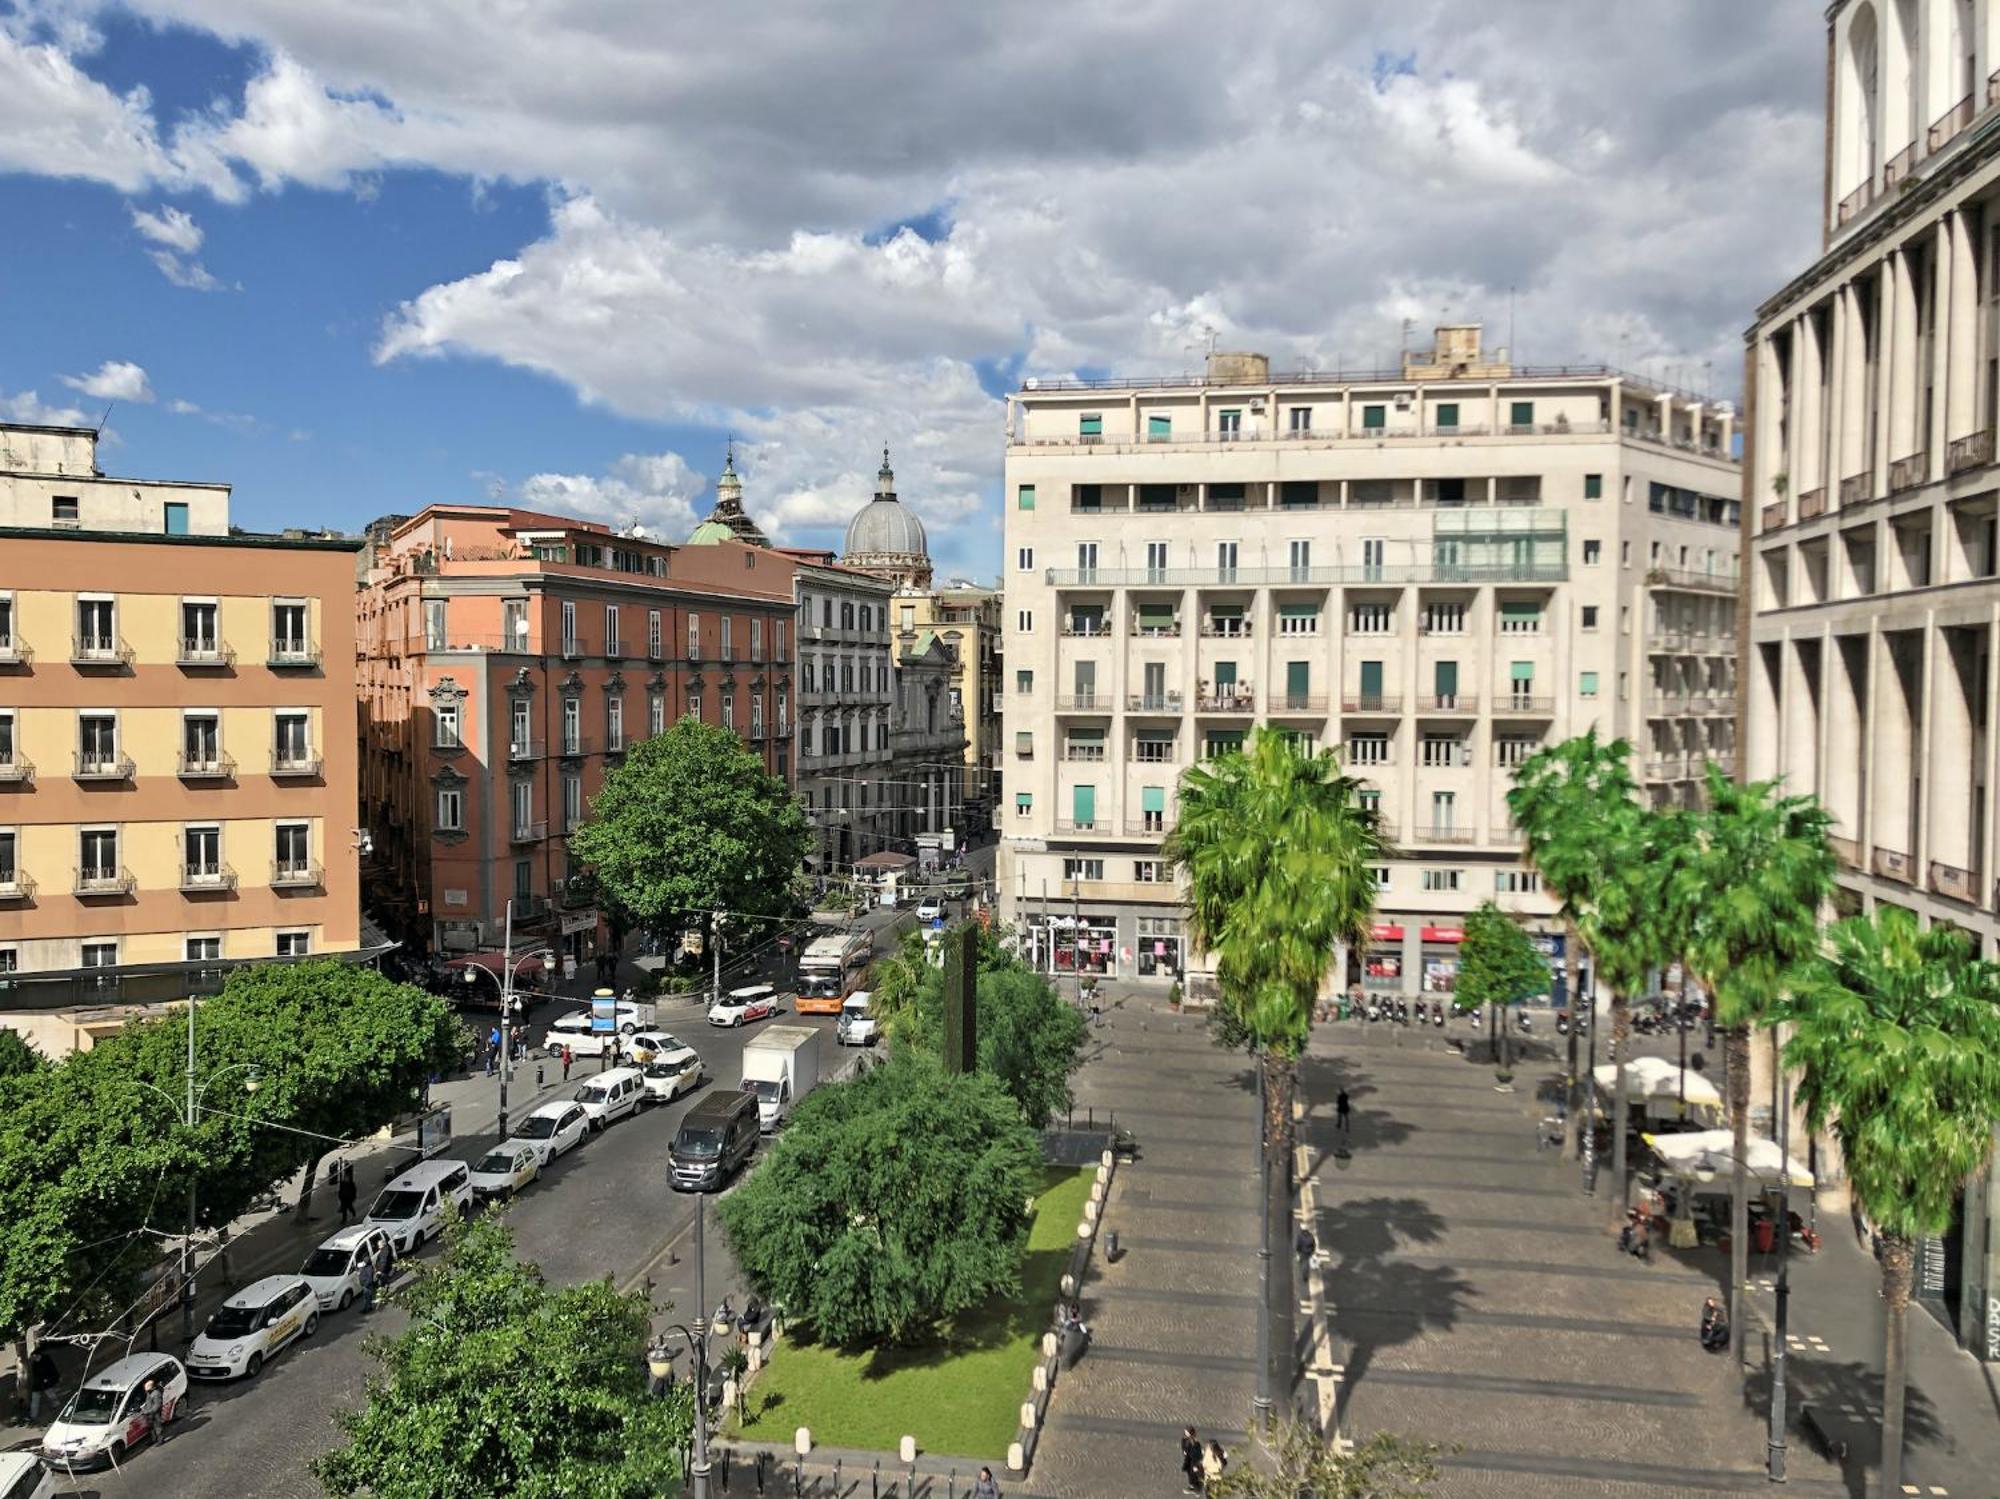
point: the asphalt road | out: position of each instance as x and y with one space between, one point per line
605 1207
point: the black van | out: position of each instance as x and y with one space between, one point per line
717 1135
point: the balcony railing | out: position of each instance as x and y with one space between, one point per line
1959 884
1993 87
1082 631
1153 702
198 651
1855 202
1776 514
1083 702
1846 850
525 749
1666 767
1667 704
614 650
292 651
1296 702
1083 752
1908 472
1554 571
207 877
528 832
1698 582
98 879
1892 865
575 746
1162 632
1973 450
1371 702
205 765
1950 123
529 908
17 768
295 763
1524 703
99 650
1241 701
14 651
295 874
92 766
1854 489
16 886
1238 629
1449 703
1812 502
1099 825
1900 165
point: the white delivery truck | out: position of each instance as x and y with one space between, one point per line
781 1066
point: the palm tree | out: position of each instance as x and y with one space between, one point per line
1275 848
1896 1039
1760 873
1562 798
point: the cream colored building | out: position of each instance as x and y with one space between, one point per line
1870 498
49 480
966 618
1437 570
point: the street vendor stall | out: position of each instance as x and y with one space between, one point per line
1702 1163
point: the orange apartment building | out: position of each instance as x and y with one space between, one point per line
507 659
177 711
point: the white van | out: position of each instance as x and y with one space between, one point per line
22 1476
856 1026
102 1423
611 1095
411 1208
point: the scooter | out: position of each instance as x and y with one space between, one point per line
1437 1016
1562 1022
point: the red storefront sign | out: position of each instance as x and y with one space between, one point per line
1444 934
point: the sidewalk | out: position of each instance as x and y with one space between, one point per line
1174 1318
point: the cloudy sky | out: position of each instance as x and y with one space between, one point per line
356 257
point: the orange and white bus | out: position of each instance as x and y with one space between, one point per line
831 969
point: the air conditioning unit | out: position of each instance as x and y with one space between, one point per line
1256 403
1402 403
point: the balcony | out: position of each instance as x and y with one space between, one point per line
1899 166
14 651
17 768
1164 891
1142 827
1959 884
1666 767
295 763
1909 472
1153 702
574 895
1949 124
103 880
1443 833
575 747
199 878
204 765
1296 704
1846 851
1689 579
522 750
92 765
1891 865
1855 202
1101 827
1086 631
15 886
1811 503
572 650
1451 704
1854 489
292 651
614 650
1226 629
197 651
1524 705
528 832
618 746
99 650
1371 702
1238 701
1776 514
530 908
1084 753
1156 632
1083 702
295 874
1667 705
1974 450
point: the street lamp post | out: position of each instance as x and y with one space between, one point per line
1775 1442
510 967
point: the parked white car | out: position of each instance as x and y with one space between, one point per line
504 1170
23 1476
740 1006
552 1129
669 1076
930 908
257 1323
650 1046
101 1423
611 1095
334 1269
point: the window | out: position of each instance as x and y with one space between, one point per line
202 949
572 796
1441 880
1229 424
62 509
1624 619
1024 681
1159 426
294 944
445 724
97 743
1374 418
783 720
1024 803
694 637
1444 619
1153 747
614 723
1593 552
201 741
757 636
521 798
1301 419
729 710
1367 749
1090 426
1440 750
1586 684
1153 808
1447 415
450 810
1521 416
1024 497
1511 751
569 647
1298 619
96 627
291 746
1624 554
7 646
10 872
514 624
1589 620
97 853
1380 874
1024 621
1369 619
1593 486
1083 869
778 639
1024 744
101 955
1516 881
1149 871
1221 742
1300 554
656 712
1520 618
199 633
1024 560
572 726
434 625
729 647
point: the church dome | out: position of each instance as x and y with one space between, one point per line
729 521
887 539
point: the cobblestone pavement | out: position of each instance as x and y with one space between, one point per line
1174 1319
1478 1300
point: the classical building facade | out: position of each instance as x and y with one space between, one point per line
1870 501
966 618
1437 570
845 706
886 538
507 661
177 720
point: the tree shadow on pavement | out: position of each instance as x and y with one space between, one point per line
1846 1401
1321 1081
1379 1302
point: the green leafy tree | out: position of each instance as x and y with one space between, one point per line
503 1386
1498 965
1756 881
1304 1465
96 1158
1896 1041
16 1055
890 1204
1563 799
1276 850
691 823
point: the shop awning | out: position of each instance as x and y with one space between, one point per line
1657 1080
1384 931
1709 1153
1444 934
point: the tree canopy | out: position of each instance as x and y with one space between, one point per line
690 823
1306 1466
95 1150
1498 962
890 1204
504 1387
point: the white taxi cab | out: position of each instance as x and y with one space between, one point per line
504 1170
740 1006
552 1129
670 1074
652 1046
23 1476
103 1420
334 1269
257 1323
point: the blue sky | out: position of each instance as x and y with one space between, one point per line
394 251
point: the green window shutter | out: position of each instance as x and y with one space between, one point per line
1153 799
1159 428
1024 801
1083 804
1298 611
1086 737
1374 418
1090 426
1448 414
1371 678
1225 674
1593 486
1587 684
1523 414
1521 611
1523 672
1156 616
1445 678
1025 499
1298 678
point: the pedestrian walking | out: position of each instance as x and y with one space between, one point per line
42 1377
493 1051
1341 1110
568 1057
149 1412
368 1283
983 1487
1214 1463
347 1192
1306 1245
1190 1461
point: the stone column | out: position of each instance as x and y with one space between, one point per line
1800 751
1904 406
1940 368
1954 678
1888 328
1811 407
1853 448
1894 742
1962 333
1846 747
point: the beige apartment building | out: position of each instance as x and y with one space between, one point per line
1436 570
177 722
1870 497
966 618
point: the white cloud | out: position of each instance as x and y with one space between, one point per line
28 409
654 490
235 421
191 274
113 380
172 227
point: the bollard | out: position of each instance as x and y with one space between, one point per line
836 1478
760 1472
1017 1459
1028 1414
1039 1380
1111 1243
1068 1284
951 1485
725 1470
875 1481
1048 1345
798 1476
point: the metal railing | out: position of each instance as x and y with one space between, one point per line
1949 124
1959 884
14 651
528 832
1153 702
1553 571
1855 202
526 749
300 763
1524 702
207 877
295 874
1892 865
204 766
1450 702
96 879
290 651
1088 825
1812 502
99 650
1141 630
16 886
1970 451
1296 702
1086 632
1899 166
1909 471
1079 753
1443 833
1083 702
1241 701
91 766
1775 514
1238 630
17 768
195 651
1371 702
1688 578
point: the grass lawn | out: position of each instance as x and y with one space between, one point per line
960 1397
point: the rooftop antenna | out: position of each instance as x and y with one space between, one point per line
1511 354
105 420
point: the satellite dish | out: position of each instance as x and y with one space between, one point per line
1031 383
